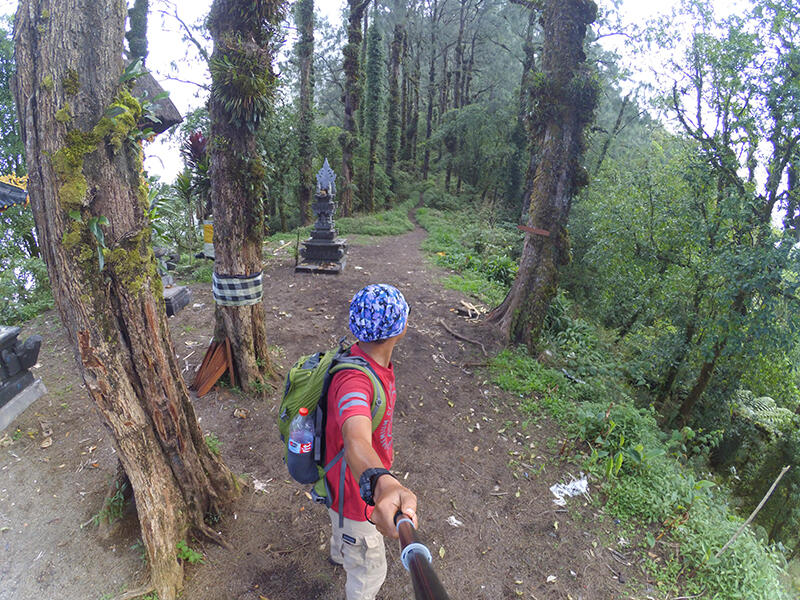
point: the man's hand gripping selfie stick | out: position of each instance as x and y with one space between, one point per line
416 558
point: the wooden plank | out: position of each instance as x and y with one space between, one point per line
216 367
199 374
534 230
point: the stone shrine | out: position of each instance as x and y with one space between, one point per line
17 385
323 252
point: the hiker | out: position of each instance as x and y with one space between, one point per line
378 319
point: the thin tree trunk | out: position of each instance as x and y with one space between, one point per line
570 97
444 88
393 119
413 128
459 54
237 174
351 97
514 183
305 118
707 370
614 131
405 103
362 65
85 171
431 93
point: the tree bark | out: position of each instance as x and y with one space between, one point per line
305 119
85 171
351 97
431 90
393 118
566 100
242 48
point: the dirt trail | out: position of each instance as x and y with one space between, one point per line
459 444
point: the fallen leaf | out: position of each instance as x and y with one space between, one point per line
551 578
241 413
441 552
308 496
46 443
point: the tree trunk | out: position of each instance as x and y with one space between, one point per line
700 384
444 88
395 105
405 105
242 40
362 65
431 93
305 119
459 54
611 134
515 172
84 179
137 35
570 97
351 97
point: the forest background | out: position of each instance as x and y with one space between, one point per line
675 323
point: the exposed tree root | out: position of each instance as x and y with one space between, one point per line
147 588
212 536
461 337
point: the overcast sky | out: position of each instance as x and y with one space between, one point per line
168 55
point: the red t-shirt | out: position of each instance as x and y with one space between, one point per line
349 394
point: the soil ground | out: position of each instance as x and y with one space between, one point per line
460 444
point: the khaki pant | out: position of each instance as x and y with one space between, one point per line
359 548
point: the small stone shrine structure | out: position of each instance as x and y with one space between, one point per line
323 252
18 389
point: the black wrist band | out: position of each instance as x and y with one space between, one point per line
368 481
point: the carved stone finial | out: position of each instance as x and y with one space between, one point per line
326 179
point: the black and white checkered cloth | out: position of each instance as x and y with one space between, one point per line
237 290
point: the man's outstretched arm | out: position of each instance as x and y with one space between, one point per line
389 494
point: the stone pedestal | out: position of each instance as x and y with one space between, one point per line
324 252
15 359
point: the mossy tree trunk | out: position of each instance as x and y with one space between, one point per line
89 200
564 99
242 84
304 17
426 158
395 104
351 97
373 107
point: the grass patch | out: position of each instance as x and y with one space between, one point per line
481 255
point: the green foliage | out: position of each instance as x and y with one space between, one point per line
213 443
390 222
643 482
185 553
113 506
483 255
24 283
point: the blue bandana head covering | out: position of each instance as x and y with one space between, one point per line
378 312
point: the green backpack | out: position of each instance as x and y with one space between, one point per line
307 386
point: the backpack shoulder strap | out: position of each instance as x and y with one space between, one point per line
357 363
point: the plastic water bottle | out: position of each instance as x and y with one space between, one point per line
300 458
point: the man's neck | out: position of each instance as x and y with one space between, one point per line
380 352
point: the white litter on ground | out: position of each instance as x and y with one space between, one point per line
260 486
451 520
575 487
